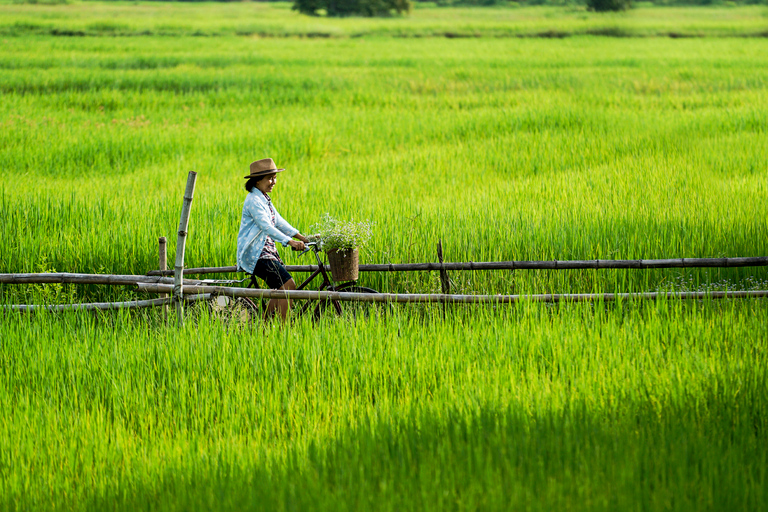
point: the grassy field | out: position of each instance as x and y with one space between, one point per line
505 148
655 408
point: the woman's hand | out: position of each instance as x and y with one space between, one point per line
299 236
296 245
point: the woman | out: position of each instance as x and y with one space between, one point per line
260 227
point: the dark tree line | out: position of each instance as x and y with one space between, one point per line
352 7
341 8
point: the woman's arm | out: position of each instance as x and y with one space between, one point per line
261 217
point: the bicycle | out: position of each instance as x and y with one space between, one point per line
317 306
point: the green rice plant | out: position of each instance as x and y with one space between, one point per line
335 234
574 405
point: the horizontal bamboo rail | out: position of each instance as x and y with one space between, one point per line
446 299
67 278
757 261
103 306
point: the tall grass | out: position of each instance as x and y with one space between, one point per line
505 150
653 407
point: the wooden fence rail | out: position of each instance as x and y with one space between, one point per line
758 261
103 306
447 299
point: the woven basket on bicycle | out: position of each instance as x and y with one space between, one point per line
344 264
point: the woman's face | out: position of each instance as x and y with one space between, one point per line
267 183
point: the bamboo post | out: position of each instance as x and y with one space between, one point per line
178 268
445 283
163 265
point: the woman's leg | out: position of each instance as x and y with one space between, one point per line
282 305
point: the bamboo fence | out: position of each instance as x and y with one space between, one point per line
155 282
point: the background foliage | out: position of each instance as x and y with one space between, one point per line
443 3
608 5
353 7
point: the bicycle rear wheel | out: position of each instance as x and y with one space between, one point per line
255 306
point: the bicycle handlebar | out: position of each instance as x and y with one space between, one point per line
309 245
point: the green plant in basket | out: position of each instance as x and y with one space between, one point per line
340 240
340 235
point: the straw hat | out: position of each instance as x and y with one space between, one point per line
263 167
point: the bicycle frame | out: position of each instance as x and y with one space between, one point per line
327 284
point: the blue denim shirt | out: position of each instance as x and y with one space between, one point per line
255 225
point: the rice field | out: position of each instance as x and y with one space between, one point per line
581 147
654 408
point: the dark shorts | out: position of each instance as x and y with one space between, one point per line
272 272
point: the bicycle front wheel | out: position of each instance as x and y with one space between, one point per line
353 309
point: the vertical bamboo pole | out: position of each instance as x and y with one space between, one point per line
445 283
163 265
178 268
